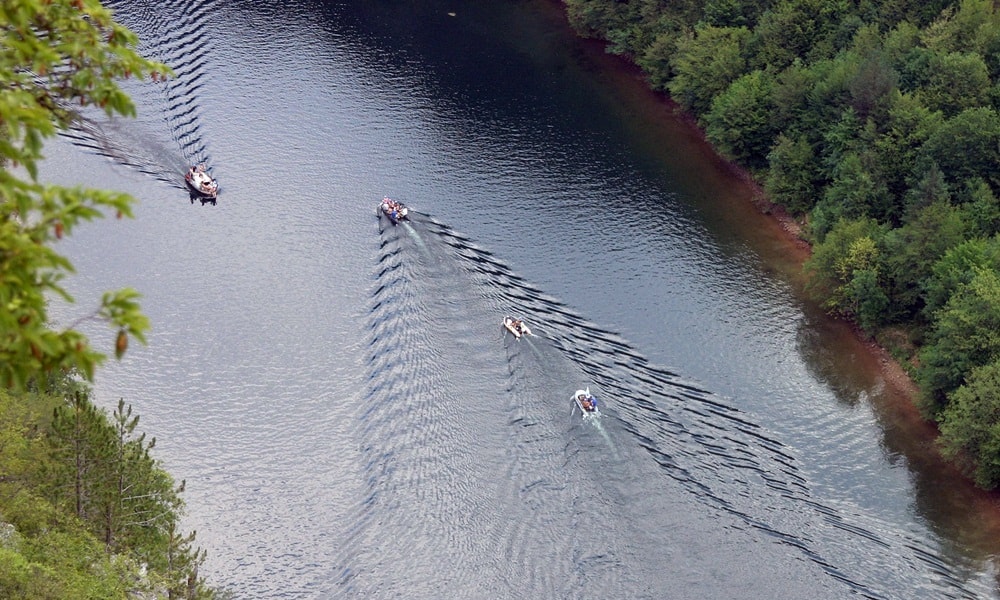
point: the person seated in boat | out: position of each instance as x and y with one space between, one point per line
589 403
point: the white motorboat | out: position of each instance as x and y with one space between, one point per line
201 183
516 326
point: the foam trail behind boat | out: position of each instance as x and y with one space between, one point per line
413 234
726 459
598 424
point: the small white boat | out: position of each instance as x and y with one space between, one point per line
587 403
516 326
201 183
394 210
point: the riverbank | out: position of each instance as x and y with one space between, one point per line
778 239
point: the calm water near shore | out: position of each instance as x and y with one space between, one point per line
338 392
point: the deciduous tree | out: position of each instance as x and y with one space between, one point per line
739 123
792 178
970 425
705 62
967 146
965 335
845 270
957 268
55 55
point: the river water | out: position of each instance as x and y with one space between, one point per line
338 393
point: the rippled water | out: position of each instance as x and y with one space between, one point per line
338 392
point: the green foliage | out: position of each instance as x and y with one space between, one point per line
970 28
965 335
956 269
913 249
855 192
907 127
792 177
656 58
61 562
866 298
873 86
966 146
900 40
83 504
807 29
80 445
730 13
919 12
954 82
846 266
970 425
66 479
591 18
875 119
108 476
739 123
705 62
982 208
829 99
55 55
931 189
180 571
792 102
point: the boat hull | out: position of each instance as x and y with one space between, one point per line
194 189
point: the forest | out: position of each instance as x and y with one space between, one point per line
876 125
86 511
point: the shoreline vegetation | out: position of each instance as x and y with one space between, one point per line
867 133
86 511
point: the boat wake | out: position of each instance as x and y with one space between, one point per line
723 457
143 144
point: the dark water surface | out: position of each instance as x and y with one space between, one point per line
338 394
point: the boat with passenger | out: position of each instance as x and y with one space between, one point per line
393 209
201 184
587 403
516 326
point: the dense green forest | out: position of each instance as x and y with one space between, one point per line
876 123
86 512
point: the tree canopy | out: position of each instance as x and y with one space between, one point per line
874 123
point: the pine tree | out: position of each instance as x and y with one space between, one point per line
182 567
79 440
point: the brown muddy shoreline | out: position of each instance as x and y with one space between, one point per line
785 250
